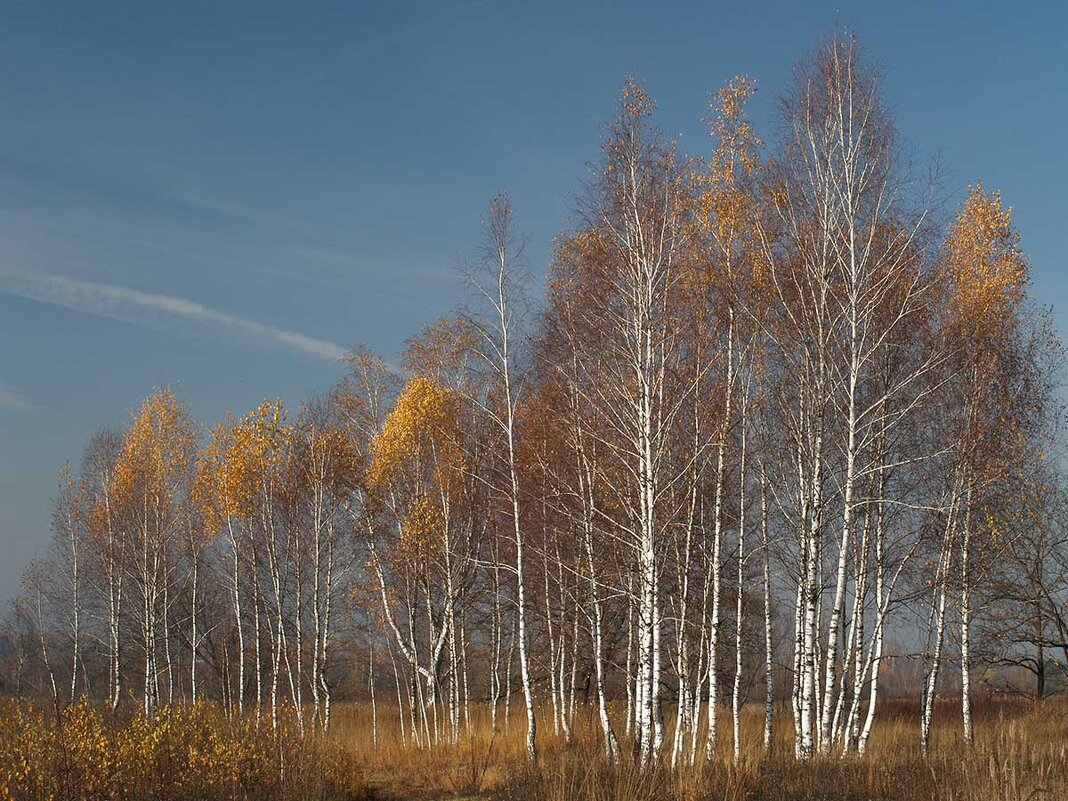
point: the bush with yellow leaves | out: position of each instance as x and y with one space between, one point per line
180 752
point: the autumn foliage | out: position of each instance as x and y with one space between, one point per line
763 483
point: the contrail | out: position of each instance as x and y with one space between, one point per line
130 305
13 401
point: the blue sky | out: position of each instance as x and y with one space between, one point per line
219 198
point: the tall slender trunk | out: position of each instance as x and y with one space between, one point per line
400 695
629 679
316 600
76 604
611 744
740 592
257 605
717 546
239 626
497 635
193 633
167 655
936 629
463 662
114 587
683 719
371 687
873 689
508 672
552 647
810 660
965 623
769 677
44 647
324 653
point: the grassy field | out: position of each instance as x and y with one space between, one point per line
1020 754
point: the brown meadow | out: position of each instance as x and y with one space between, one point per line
196 752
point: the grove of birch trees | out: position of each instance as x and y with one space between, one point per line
779 427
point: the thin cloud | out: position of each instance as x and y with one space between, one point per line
132 305
12 401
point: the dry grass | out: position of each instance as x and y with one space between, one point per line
1020 754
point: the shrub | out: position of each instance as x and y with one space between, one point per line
181 752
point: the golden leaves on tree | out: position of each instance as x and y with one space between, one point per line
986 265
725 200
157 452
238 459
418 457
423 426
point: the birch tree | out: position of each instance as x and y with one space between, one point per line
498 281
